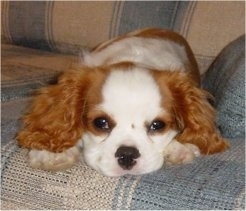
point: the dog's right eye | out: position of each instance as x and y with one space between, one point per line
101 123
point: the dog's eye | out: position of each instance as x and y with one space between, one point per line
101 123
157 125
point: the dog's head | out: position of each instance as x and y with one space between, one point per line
128 122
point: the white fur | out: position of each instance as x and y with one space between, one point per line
177 153
44 159
130 98
148 52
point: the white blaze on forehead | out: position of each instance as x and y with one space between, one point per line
131 95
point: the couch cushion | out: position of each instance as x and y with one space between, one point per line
225 79
212 182
23 70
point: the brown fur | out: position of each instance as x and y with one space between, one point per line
194 116
55 121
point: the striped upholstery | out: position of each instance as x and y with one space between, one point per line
210 183
68 26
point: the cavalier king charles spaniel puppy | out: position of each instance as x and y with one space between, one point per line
132 105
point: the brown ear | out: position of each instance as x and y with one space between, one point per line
194 115
55 120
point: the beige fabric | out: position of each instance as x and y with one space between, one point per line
213 25
80 187
5 33
84 24
10 205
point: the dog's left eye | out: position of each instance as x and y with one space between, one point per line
157 125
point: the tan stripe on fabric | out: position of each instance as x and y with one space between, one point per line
5 22
131 192
214 25
114 29
82 23
187 18
126 192
49 24
120 197
239 200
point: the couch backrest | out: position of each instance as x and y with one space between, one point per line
68 26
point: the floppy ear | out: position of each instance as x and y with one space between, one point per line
55 120
195 117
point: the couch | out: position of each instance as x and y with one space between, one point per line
40 39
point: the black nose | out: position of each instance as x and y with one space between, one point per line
127 157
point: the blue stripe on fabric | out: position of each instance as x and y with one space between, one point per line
27 23
141 14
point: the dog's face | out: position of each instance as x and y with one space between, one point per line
128 130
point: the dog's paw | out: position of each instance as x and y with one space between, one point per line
46 160
177 153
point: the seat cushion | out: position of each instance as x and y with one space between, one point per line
211 182
23 70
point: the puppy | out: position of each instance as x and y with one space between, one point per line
133 104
